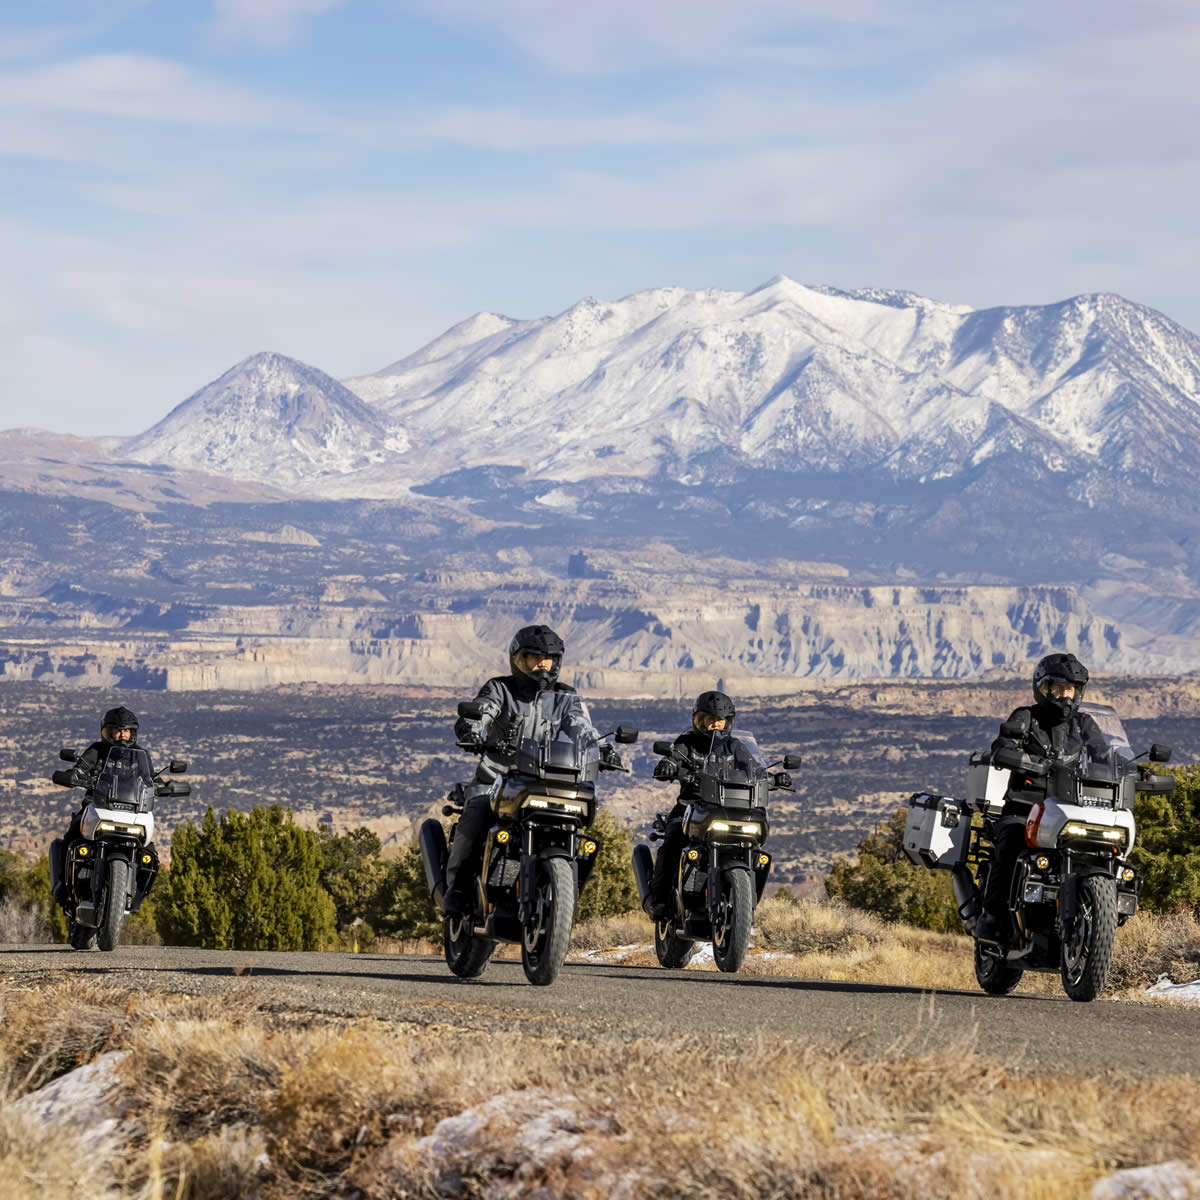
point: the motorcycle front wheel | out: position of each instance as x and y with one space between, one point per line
995 976
467 954
109 932
735 915
1087 953
673 951
547 936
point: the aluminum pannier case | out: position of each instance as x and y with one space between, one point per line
938 831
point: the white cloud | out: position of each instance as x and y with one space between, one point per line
268 22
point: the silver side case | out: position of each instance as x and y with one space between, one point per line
938 831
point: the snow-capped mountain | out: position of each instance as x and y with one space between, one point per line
798 379
274 419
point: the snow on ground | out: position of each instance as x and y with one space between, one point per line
1188 993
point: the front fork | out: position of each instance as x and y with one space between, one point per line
527 888
718 869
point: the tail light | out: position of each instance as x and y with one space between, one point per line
1032 824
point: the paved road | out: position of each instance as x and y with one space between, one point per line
601 1001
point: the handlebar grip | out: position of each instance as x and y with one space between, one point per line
448 810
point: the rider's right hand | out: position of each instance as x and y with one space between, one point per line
665 770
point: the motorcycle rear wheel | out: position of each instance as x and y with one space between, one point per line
109 932
1087 956
80 937
467 954
673 951
545 942
731 935
995 976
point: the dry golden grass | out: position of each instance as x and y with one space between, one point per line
220 1098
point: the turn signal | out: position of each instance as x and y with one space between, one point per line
1031 825
588 847
146 858
763 859
503 836
83 851
1042 862
693 855
1127 874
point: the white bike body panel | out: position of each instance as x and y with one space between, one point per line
93 816
1055 816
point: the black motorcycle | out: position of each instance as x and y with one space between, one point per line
723 868
1072 886
536 857
107 873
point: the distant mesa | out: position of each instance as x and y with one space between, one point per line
289 535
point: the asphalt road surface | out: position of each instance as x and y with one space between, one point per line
611 1001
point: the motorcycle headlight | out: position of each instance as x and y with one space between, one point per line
752 828
571 806
1114 836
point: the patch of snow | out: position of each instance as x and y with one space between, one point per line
1187 992
703 957
1163 1181
615 955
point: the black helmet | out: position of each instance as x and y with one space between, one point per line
715 704
118 718
540 639
1065 668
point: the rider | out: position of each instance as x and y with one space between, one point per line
119 727
528 702
712 713
1056 726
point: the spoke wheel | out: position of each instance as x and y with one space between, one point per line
1088 948
467 954
81 937
548 933
735 915
995 976
673 950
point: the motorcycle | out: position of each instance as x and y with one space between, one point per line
723 867
108 873
1072 885
536 857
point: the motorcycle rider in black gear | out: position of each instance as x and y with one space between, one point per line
119 727
712 713
521 704
1055 725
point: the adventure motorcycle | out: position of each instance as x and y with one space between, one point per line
536 858
723 867
107 873
1072 885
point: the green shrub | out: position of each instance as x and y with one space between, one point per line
884 882
1167 851
249 881
612 889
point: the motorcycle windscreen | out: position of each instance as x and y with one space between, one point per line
735 772
1110 726
125 780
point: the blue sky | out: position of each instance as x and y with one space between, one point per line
186 182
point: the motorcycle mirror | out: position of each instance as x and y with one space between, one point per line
663 748
626 734
68 755
178 766
1160 753
1016 727
470 710
181 789
791 762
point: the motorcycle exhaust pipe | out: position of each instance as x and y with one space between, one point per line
643 871
432 841
966 896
